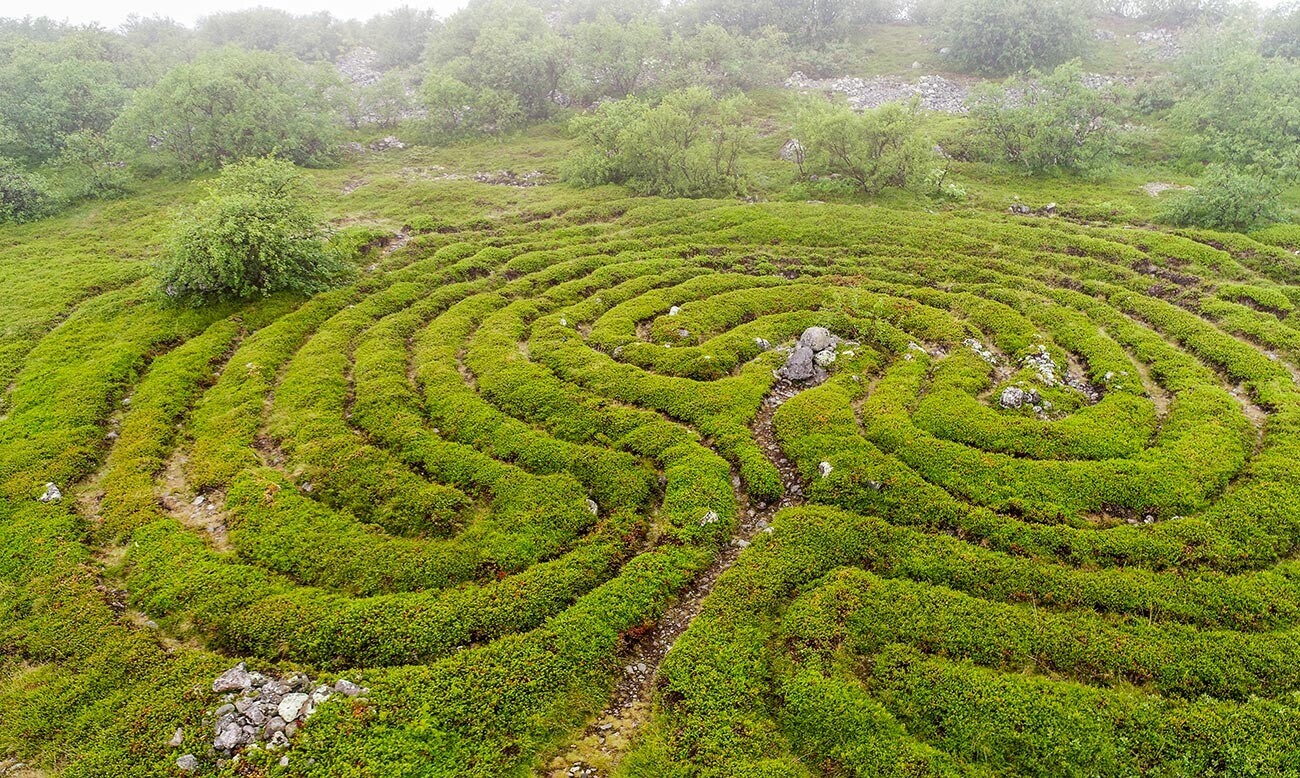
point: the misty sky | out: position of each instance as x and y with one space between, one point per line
111 13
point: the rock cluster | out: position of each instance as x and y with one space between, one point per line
511 178
1162 43
811 355
982 351
935 92
1013 397
1042 363
386 143
360 66
260 711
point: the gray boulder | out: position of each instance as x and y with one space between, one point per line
817 338
236 679
229 737
187 763
1013 397
799 366
52 494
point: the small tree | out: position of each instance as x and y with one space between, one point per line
1001 37
875 149
257 232
23 196
231 104
1046 122
454 109
1226 200
686 146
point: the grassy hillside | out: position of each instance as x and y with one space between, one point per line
485 481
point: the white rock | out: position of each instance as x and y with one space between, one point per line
825 358
673 311
187 763
709 518
177 738
593 507
825 469
292 705
52 494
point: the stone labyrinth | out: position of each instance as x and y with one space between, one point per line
543 498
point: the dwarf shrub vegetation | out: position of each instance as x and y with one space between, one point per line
472 476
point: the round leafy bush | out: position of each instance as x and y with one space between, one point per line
257 232
1225 200
23 196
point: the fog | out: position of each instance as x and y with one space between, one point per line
111 13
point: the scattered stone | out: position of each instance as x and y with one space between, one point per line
349 689
673 311
1156 188
386 143
709 518
177 738
982 351
825 468
1013 397
52 494
236 679
187 763
229 737
593 507
1042 363
825 358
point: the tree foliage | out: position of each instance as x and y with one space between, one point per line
50 90
228 105
1045 122
875 149
455 109
611 59
506 46
399 36
1239 108
1281 32
686 146
310 38
256 233
807 22
1001 37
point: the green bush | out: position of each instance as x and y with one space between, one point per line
1045 122
256 233
1224 200
877 148
23 196
688 145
